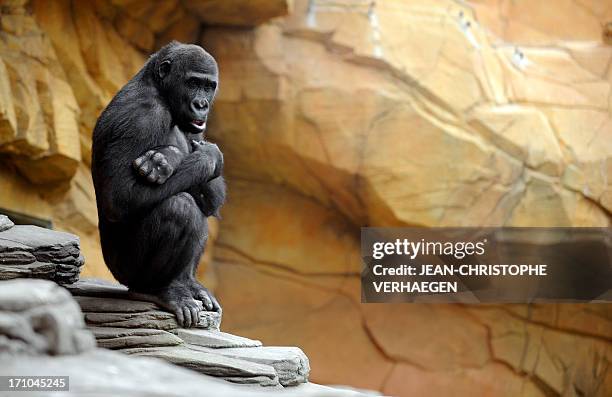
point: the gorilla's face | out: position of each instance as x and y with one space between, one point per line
189 78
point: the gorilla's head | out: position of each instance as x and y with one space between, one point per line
187 76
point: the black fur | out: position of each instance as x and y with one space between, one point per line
156 180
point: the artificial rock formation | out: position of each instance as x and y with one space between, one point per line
51 322
42 333
40 318
141 328
424 113
5 223
36 101
32 251
411 122
433 114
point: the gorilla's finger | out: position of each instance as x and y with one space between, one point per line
139 161
187 315
145 169
158 157
150 153
195 315
180 318
152 177
204 297
209 303
215 303
212 146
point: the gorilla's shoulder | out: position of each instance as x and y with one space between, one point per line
134 110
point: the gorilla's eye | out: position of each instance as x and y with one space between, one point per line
193 82
202 83
211 85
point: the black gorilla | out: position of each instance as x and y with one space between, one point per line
156 180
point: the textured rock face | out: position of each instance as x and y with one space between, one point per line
236 371
290 363
103 372
38 317
5 223
443 124
42 333
215 339
121 322
241 13
35 102
32 251
449 113
110 305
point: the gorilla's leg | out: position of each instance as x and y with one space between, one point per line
169 243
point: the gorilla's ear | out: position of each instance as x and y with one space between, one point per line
164 69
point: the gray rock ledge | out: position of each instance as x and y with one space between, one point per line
28 251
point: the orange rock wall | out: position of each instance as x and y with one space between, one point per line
490 112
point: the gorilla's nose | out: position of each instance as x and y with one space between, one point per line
199 105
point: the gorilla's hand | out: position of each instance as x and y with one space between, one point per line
211 151
157 165
210 196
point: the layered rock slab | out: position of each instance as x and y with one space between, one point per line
290 363
5 223
230 369
139 327
108 304
42 333
28 251
215 339
123 338
108 373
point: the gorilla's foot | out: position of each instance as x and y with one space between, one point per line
179 298
203 295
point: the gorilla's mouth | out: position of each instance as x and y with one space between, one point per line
199 124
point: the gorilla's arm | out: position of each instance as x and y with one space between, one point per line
122 195
158 164
210 196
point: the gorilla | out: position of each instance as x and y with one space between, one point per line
156 179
